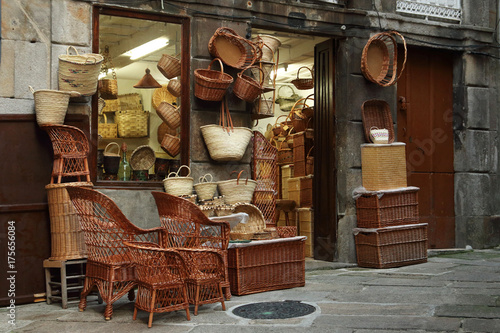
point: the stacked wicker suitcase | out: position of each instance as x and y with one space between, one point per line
388 232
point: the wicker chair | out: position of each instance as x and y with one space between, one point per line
202 243
161 275
109 266
71 149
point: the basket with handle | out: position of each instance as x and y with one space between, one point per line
269 45
285 154
169 66
237 190
51 105
379 60
232 49
107 130
174 87
286 102
171 144
178 185
79 72
256 222
169 114
211 85
205 188
111 160
379 135
304 83
246 87
298 119
108 88
132 123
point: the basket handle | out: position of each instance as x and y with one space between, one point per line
105 118
293 91
32 90
404 60
110 145
309 152
204 178
74 48
239 175
225 116
220 63
180 168
310 70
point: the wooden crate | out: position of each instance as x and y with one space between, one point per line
286 173
294 190
305 217
383 166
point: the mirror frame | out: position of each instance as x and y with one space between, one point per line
185 107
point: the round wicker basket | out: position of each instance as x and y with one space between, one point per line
205 188
142 158
169 114
169 66
256 222
162 95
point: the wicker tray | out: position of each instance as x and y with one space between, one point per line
376 113
142 158
392 246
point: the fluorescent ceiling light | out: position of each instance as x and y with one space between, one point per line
147 48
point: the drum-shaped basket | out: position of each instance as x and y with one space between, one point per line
169 66
379 60
232 49
246 87
171 144
224 145
51 105
211 85
169 114
304 83
142 158
269 45
256 222
206 188
178 185
79 72
237 190
174 87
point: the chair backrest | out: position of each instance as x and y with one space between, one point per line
187 226
104 225
156 265
67 140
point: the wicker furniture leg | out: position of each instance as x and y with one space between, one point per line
90 282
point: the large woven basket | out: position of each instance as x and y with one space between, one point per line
169 66
177 185
256 222
232 49
107 130
169 114
237 190
206 188
376 113
246 87
211 85
132 123
51 105
142 158
79 72
224 145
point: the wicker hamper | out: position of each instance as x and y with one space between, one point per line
392 246
67 239
383 166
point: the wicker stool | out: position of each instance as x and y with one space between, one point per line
71 149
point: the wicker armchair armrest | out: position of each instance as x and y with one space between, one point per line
203 262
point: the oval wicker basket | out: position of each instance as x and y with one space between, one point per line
205 188
211 85
169 114
246 87
169 66
171 144
224 145
142 158
174 87
302 83
232 49
177 185
164 129
51 105
79 72
256 222
237 190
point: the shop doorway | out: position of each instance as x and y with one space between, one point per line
424 119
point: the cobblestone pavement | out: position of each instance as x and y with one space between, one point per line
455 291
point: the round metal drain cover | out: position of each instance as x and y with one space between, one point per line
274 310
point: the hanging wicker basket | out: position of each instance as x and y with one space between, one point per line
232 49
211 85
237 190
178 185
303 83
286 102
246 87
174 87
142 158
379 60
164 129
162 95
79 72
51 105
169 66
205 188
169 114
171 144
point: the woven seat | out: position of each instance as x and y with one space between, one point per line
203 244
161 275
71 149
105 229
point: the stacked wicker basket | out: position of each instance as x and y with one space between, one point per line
388 232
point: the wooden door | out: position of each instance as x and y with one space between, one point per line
424 121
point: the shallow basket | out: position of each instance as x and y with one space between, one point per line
169 66
211 85
162 95
304 83
256 222
232 49
142 158
226 145
79 72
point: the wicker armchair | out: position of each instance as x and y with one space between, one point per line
202 243
109 266
71 149
161 275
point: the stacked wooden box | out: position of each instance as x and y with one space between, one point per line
388 233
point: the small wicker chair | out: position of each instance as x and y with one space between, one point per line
203 244
161 275
109 266
71 149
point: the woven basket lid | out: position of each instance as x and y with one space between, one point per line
142 158
162 95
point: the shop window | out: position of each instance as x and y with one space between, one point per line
139 103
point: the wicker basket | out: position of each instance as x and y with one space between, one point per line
263 107
162 130
392 246
177 185
376 113
132 123
108 88
171 144
224 145
169 114
111 105
255 223
383 167
142 158
169 66
132 101
111 161
211 85
286 231
236 190
206 188
267 68
51 105
174 87
379 60
107 131
269 45
304 84
162 95
246 87
79 72
286 102
223 210
67 239
232 49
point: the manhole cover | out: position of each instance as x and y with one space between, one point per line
274 310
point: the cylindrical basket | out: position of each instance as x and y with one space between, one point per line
67 238
171 144
169 114
169 66
211 85
237 190
177 185
79 72
51 105
205 188
224 145
246 87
